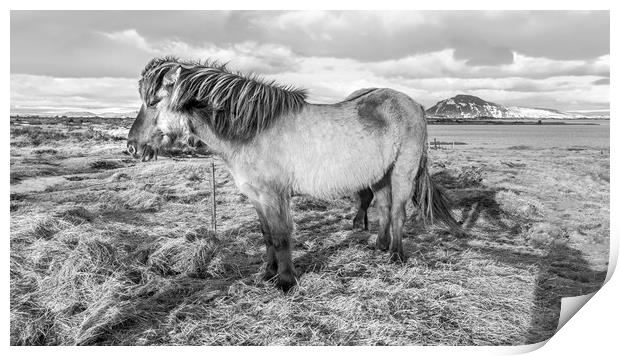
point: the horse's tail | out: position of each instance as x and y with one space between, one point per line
432 201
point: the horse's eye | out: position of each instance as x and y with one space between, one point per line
153 102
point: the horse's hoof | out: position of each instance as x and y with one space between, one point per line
397 257
358 225
269 275
286 282
271 270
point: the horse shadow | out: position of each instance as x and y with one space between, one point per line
563 271
317 260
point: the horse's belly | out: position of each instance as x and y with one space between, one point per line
338 167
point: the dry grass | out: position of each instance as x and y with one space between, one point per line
122 253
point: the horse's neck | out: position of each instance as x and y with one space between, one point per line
259 146
220 146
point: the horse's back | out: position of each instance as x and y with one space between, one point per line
358 93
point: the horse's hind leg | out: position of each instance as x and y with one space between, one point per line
402 182
383 203
398 215
364 198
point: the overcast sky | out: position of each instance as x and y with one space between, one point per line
77 60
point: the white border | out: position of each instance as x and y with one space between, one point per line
314 4
593 329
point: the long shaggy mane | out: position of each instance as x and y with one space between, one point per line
236 106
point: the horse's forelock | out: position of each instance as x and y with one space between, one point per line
152 76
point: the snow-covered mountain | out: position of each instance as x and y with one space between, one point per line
472 107
468 107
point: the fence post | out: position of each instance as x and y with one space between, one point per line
213 211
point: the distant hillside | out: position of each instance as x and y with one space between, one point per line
473 107
594 114
104 114
131 114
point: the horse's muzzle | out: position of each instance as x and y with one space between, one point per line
148 152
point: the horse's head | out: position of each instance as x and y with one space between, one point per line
178 94
157 124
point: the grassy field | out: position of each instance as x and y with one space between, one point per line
109 251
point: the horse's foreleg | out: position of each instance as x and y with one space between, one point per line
274 208
383 198
271 268
280 222
364 198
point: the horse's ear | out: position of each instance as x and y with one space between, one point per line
171 77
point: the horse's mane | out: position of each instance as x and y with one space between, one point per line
236 106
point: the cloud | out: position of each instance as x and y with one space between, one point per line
480 54
445 63
602 81
29 92
93 58
129 37
249 56
69 43
478 36
319 25
263 58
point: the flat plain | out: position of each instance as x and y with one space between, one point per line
106 250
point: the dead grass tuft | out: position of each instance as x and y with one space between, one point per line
192 258
520 147
47 151
77 215
119 176
105 165
46 228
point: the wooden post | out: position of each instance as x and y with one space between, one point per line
213 211
452 144
436 147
